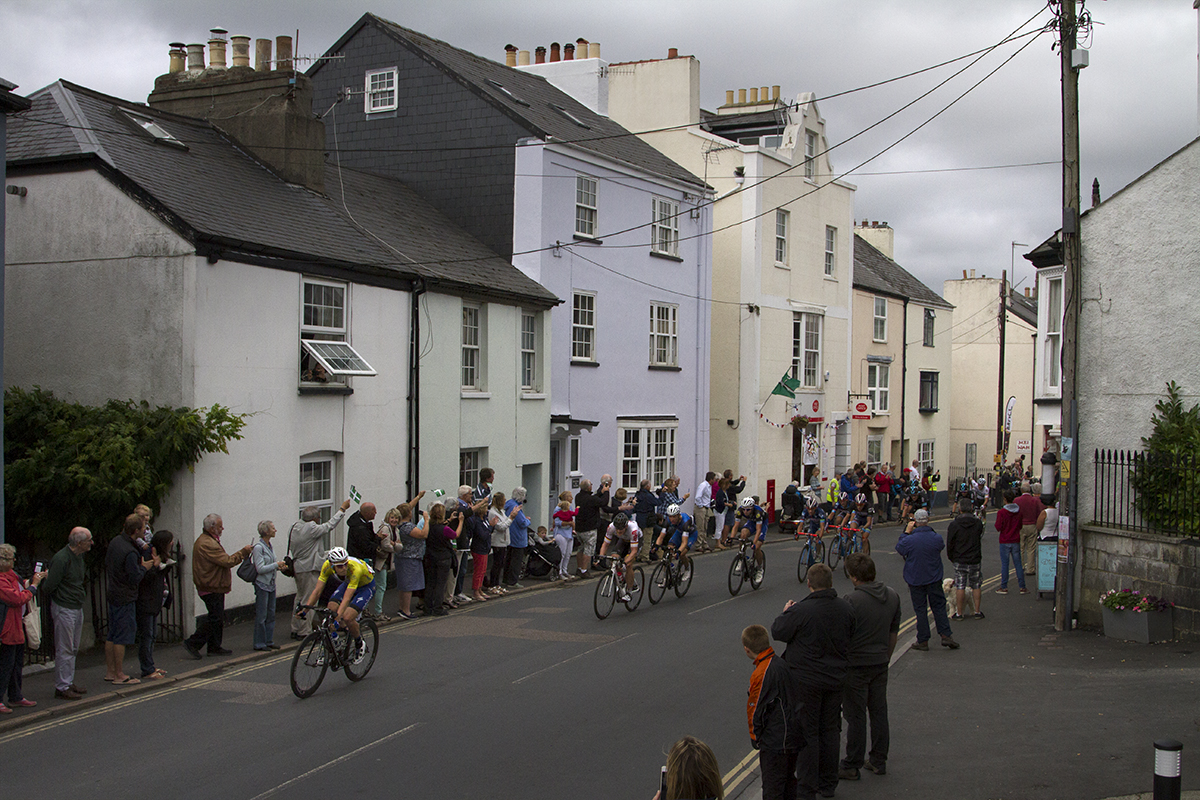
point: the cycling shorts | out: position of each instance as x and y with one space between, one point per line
677 539
362 595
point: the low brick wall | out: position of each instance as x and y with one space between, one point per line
1159 565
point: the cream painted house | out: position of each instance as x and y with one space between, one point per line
981 399
901 363
782 264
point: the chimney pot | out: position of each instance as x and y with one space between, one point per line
754 95
554 56
522 58
178 57
1027 291
729 97
539 55
964 274
283 53
241 50
673 52
510 55
972 273
593 50
775 92
216 48
741 96
568 52
195 57
763 94
262 55
581 47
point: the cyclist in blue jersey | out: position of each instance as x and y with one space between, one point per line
813 517
863 515
752 518
680 533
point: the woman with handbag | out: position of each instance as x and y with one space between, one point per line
14 595
383 562
265 564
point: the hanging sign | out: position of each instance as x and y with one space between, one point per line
861 411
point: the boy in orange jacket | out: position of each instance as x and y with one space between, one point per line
772 714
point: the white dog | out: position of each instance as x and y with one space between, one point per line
952 603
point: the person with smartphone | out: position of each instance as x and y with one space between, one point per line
518 538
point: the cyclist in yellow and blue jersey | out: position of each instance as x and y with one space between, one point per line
752 518
355 589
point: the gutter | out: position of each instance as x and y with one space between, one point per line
414 390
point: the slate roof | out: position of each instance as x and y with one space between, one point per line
875 272
223 200
602 135
1024 307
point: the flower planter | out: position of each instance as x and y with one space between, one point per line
1138 626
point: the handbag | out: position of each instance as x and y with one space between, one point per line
246 570
33 625
288 570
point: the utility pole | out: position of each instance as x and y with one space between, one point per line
1071 61
1000 387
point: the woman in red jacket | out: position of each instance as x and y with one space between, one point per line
1008 523
14 594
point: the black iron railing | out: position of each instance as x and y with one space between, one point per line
1147 492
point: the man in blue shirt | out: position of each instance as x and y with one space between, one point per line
921 546
518 538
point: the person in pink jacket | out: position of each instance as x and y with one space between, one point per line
14 594
1008 523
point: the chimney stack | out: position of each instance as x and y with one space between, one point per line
283 53
178 57
262 55
216 48
554 56
510 55
593 50
195 58
241 51
673 52
1095 192
539 55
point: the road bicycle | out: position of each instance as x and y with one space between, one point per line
613 580
670 574
743 567
847 539
326 647
812 553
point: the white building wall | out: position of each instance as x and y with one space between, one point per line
1047 394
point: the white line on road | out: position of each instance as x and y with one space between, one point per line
572 658
335 761
714 605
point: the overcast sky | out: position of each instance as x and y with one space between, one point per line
1138 97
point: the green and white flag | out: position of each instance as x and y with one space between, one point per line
354 495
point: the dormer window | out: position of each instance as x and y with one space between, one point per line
380 92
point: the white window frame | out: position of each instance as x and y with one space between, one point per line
874 443
647 449
921 383
371 95
879 326
317 485
586 205
879 377
320 322
470 461
531 372
806 358
925 455
573 454
781 236
928 327
473 337
664 226
1053 347
810 154
830 251
583 326
664 335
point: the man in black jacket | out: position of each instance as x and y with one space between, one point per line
877 626
361 541
588 522
817 632
965 550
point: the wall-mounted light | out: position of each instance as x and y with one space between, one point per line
739 175
19 191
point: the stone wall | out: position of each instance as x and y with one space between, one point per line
1158 565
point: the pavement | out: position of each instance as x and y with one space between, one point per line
1019 711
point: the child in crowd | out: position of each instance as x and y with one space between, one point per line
564 534
772 712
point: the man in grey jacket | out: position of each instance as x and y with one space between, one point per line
306 545
877 626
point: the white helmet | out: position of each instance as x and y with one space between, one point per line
747 502
673 510
337 555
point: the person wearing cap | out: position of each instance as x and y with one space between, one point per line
921 546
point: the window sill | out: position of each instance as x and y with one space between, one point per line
927 345
533 395
831 278
667 256
471 394
575 362
879 341
881 413
927 410
390 113
781 265
579 237
329 390
664 368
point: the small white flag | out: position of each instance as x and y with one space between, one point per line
354 495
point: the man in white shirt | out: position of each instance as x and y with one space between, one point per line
702 499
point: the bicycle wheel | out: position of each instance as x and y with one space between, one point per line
635 597
737 574
309 665
683 578
658 582
758 571
356 671
606 596
834 556
806 556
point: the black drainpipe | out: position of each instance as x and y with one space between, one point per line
903 385
414 390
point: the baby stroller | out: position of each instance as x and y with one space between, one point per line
793 506
543 560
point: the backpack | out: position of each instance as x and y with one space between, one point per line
246 570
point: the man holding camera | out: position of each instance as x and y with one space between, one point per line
588 522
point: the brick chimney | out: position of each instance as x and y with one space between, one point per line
268 111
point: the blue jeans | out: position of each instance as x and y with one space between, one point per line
147 628
264 617
1013 550
380 585
932 596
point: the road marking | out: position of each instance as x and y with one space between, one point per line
335 761
743 768
721 603
572 658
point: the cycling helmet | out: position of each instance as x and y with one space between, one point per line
811 502
620 521
747 502
845 498
337 555
672 510
860 498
